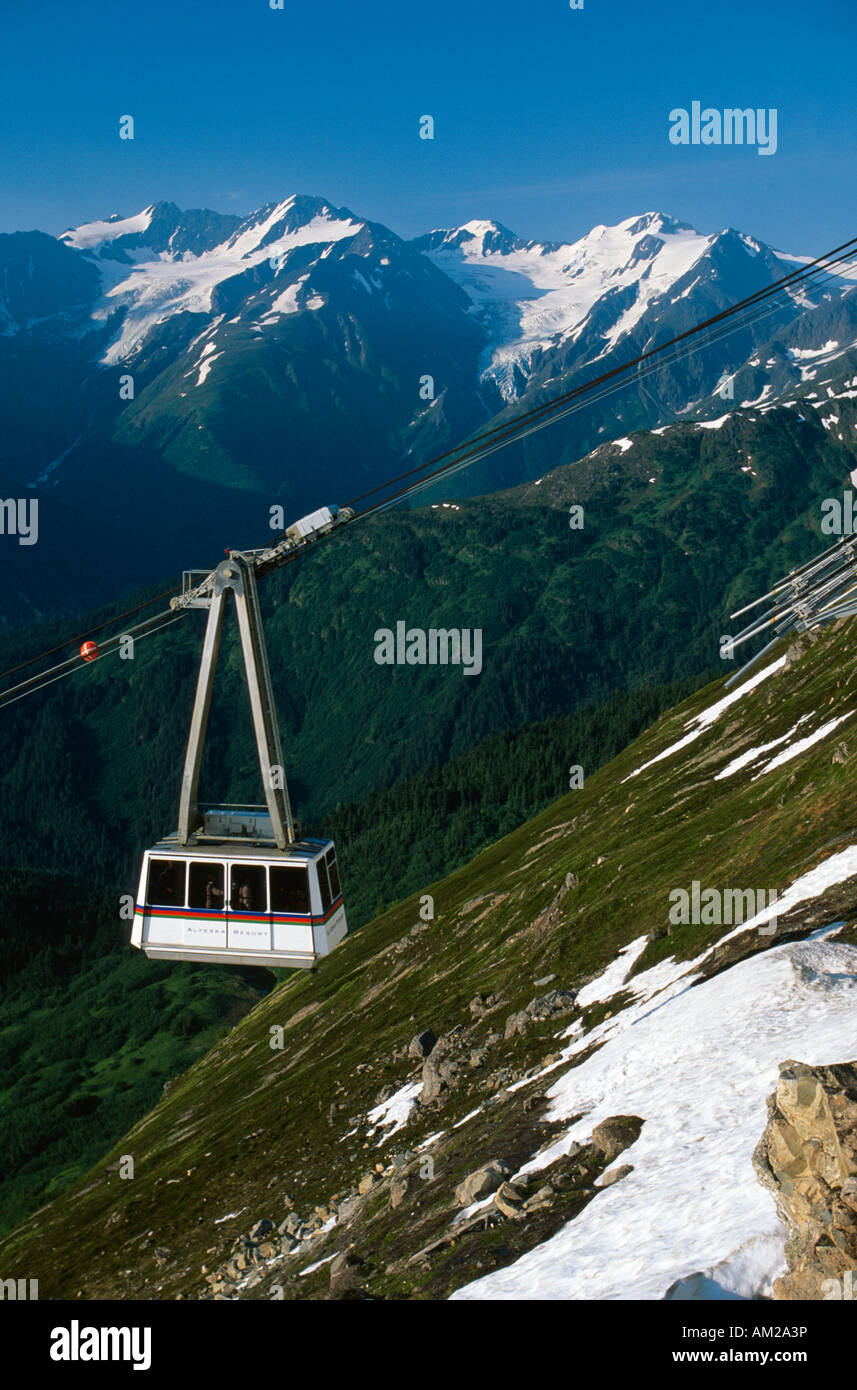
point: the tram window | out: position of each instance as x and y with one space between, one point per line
166 882
324 885
206 886
249 890
333 871
289 889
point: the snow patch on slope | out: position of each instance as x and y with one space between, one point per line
614 977
803 743
837 868
697 1067
394 1111
753 754
700 722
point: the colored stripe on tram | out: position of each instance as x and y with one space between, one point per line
218 914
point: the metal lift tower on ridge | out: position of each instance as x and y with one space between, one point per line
811 595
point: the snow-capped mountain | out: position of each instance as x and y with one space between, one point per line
302 352
225 364
533 296
158 265
536 299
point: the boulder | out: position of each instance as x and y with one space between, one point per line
615 1134
399 1189
345 1270
545 1006
540 1200
482 1183
481 1004
615 1175
516 1023
508 1200
422 1044
553 1005
441 1070
433 1083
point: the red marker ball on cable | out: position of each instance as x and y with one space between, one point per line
89 651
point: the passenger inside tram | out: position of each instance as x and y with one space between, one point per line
213 892
249 889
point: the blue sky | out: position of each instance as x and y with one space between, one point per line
548 119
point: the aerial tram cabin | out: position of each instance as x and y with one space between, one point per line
234 885
224 900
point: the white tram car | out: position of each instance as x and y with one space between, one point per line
228 901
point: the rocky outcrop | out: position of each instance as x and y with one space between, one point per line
616 1134
547 921
482 1183
808 1157
345 1271
553 1005
422 1044
443 1066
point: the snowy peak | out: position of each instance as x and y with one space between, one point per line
535 314
549 308
300 220
167 232
532 296
164 262
161 229
476 238
529 299
95 236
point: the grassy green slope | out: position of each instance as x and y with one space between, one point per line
250 1130
90 1032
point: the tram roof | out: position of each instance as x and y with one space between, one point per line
236 847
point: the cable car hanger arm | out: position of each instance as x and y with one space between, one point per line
237 574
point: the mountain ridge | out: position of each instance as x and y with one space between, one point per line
303 353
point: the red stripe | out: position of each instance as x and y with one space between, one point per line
334 907
218 914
